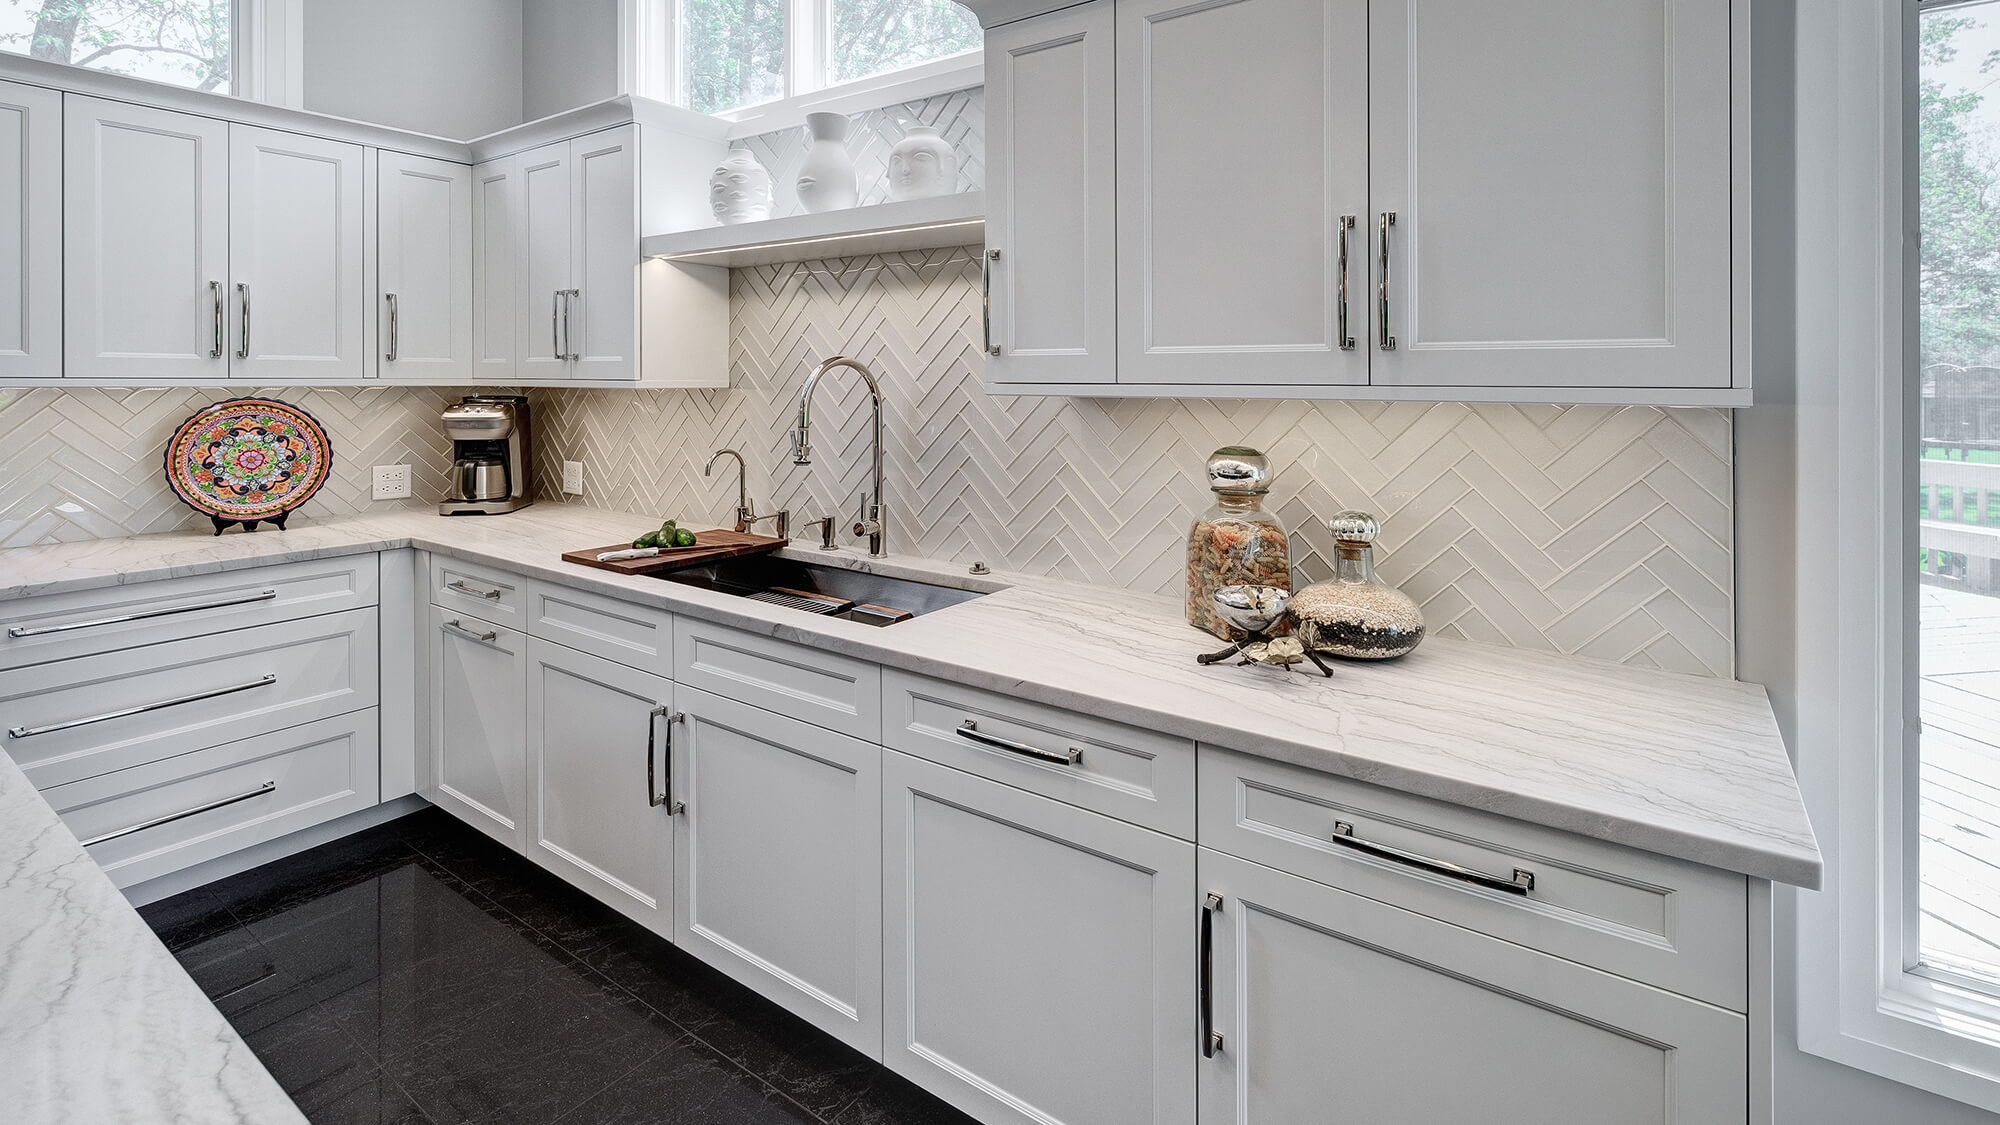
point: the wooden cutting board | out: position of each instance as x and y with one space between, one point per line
709 546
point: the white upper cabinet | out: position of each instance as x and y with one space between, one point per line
1559 177
542 254
1242 141
603 328
145 243
31 184
297 243
424 261
494 186
1051 170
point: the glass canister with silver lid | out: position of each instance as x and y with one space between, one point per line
1235 542
1356 615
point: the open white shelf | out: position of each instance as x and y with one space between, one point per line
915 224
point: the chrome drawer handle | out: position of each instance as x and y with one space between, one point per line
460 629
1211 1039
462 588
654 796
267 787
30 732
969 730
41 630
1522 882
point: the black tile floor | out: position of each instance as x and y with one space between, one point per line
419 973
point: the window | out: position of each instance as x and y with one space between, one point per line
727 55
183 42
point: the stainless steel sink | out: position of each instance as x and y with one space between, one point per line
829 591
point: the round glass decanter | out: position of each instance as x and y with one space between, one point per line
1235 542
1355 615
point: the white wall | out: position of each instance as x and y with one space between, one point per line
571 54
452 68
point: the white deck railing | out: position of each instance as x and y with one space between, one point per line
1959 497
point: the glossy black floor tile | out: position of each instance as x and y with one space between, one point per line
421 974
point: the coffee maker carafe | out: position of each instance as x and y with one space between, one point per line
491 454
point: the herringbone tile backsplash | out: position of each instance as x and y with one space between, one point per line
1597 530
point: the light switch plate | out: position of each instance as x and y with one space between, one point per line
573 478
392 482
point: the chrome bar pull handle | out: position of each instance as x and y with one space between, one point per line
461 587
570 355
555 325
128 712
986 299
142 615
969 730
1211 1039
1388 343
654 797
457 627
1346 335
215 302
243 300
267 787
1521 883
393 317
666 796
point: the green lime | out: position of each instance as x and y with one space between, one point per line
683 538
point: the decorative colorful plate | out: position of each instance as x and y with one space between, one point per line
246 460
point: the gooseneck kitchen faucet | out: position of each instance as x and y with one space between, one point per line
872 522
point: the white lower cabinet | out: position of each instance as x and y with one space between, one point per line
1328 1002
778 860
1039 959
597 733
479 745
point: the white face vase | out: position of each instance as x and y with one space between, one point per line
922 165
739 190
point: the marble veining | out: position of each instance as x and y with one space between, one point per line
102 1025
1682 765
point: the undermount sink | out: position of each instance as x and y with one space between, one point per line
828 591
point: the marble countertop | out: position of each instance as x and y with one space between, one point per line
1686 766
101 1023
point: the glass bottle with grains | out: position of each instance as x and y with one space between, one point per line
1236 542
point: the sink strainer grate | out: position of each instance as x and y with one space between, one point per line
799 599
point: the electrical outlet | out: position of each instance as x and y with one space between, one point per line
573 478
392 482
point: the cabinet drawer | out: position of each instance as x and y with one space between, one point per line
636 636
1676 925
150 820
75 719
1137 775
61 626
490 594
822 688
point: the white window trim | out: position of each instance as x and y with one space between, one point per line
1858 1001
268 52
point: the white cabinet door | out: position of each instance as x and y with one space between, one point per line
1039 960
1559 175
31 251
496 188
778 857
603 321
478 724
1327 999
1051 191
297 239
1242 147
542 234
423 232
597 733
145 242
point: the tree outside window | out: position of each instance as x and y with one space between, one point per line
184 42
735 53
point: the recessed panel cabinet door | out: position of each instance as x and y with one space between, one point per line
603 324
478 724
1331 1003
1038 959
423 231
597 739
543 302
496 188
1051 174
297 239
31 263
1242 148
1559 177
145 242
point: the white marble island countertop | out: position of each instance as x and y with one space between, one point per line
1686 766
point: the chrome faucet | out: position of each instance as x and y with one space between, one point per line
746 513
872 520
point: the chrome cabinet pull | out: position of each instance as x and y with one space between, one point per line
986 299
460 629
663 796
555 325
126 712
243 298
267 787
1346 335
461 587
215 302
393 318
1522 882
569 355
1388 343
969 730
43 630
1211 1039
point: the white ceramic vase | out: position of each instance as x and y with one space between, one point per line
826 177
922 165
740 188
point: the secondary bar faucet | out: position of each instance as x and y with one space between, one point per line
872 521
746 513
